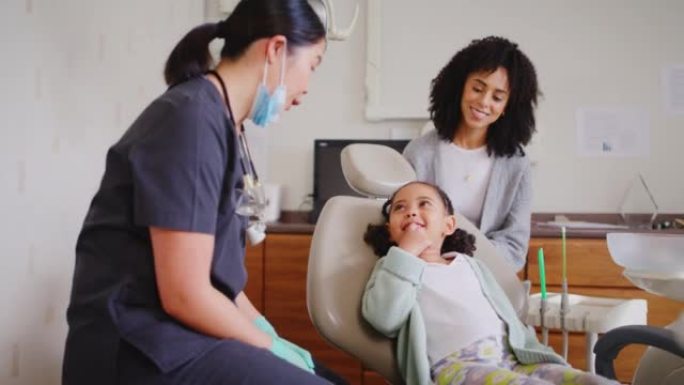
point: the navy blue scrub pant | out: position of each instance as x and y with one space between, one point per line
229 363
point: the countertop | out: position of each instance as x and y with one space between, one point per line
296 222
541 227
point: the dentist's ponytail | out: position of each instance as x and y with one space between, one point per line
251 20
191 55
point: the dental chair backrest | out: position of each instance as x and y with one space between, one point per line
340 263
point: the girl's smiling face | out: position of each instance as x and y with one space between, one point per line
418 207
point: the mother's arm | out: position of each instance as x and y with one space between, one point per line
513 237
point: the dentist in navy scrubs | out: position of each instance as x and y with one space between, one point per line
158 287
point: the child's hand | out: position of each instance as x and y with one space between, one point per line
415 240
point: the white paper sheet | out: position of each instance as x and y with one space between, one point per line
613 132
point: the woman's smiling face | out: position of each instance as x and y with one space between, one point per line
484 98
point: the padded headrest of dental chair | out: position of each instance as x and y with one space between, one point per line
375 170
340 263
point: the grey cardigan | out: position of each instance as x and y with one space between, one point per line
507 210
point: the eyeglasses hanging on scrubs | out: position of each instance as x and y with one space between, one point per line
252 200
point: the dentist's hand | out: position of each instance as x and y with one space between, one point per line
306 356
285 350
262 323
304 361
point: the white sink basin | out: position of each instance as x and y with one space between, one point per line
653 262
664 284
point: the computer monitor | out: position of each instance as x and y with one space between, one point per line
328 178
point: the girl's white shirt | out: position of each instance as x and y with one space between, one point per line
454 308
464 175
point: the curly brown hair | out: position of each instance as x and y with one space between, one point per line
377 236
513 130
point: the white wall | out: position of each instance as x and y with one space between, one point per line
75 73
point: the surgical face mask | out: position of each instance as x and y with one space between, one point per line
267 107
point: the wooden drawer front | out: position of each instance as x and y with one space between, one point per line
286 260
588 263
254 262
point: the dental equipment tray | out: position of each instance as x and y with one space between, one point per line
587 314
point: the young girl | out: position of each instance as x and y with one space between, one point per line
453 322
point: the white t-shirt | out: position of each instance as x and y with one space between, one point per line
454 308
464 176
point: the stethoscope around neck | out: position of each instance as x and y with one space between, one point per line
251 202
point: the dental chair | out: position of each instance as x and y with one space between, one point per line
340 263
654 263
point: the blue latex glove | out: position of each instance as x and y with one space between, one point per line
281 348
306 356
262 323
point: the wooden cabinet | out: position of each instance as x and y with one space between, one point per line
254 263
591 271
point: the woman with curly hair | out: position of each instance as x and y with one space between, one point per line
482 106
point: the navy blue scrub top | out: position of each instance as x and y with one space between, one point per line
177 167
